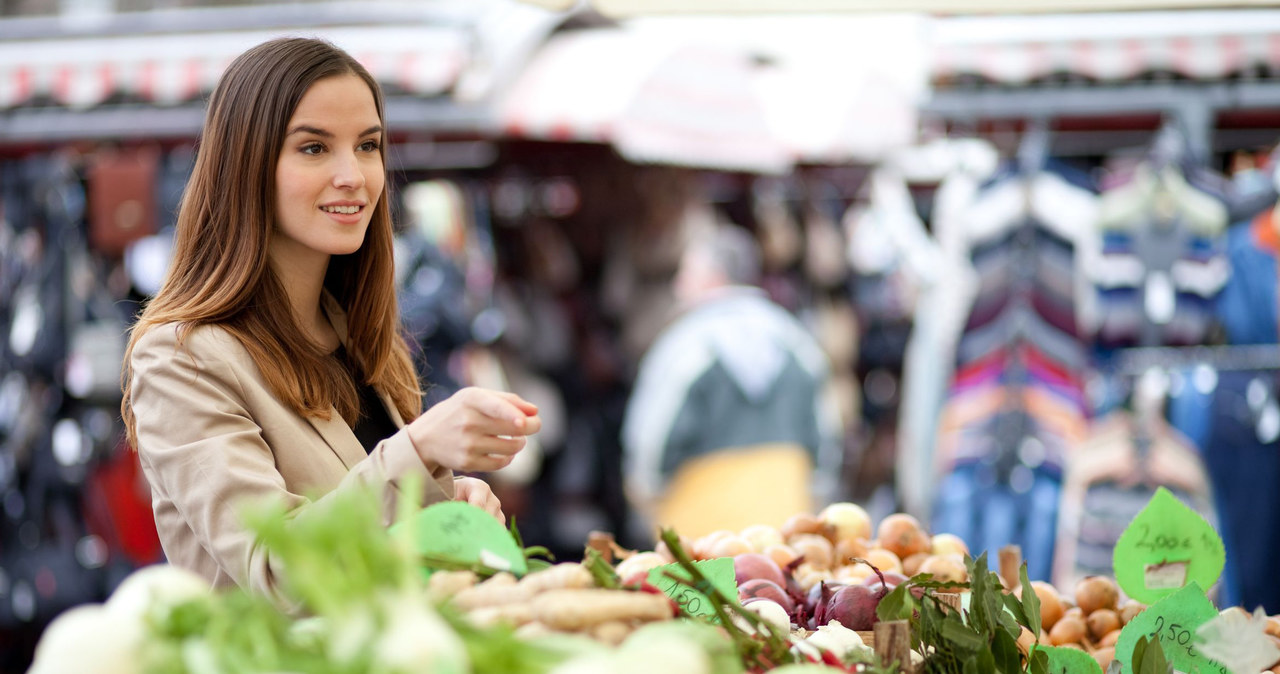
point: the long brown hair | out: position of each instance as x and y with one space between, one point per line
220 272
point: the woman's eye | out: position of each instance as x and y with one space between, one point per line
312 148
370 146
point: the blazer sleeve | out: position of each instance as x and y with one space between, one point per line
203 451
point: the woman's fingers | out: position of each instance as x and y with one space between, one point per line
487 463
479 494
498 445
498 405
475 430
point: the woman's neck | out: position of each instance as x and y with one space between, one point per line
303 281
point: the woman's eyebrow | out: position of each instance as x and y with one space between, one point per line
303 128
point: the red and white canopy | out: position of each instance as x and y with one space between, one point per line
655 101
173 68
1106 47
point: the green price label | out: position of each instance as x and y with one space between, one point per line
454 533
1174 621
1070 661
1165 548
691 601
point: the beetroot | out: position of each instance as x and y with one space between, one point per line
766 589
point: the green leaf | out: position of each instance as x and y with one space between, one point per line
1030 602
1004 650
963 637
1039 662
986 661
897 605
1015 607
1139 653
1010 625
1154 662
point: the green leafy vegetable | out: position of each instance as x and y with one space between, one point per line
981 639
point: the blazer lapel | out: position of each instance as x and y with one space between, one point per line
340 437
335 431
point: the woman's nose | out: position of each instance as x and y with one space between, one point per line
347 173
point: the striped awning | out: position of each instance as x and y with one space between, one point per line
654 101
168 69
1200 45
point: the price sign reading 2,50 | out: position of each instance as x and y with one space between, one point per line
690 601
1175 636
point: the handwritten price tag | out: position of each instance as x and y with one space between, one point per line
461 533
693 602
1174 621
1070 661
1166 547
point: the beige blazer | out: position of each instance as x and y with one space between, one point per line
211 435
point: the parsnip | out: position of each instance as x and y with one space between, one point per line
498 590
446 584
514 615
574 610
568 575
612 632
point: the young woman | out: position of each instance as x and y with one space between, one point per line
270 364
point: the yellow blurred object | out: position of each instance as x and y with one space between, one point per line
738 487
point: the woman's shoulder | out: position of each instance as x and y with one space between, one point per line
204 341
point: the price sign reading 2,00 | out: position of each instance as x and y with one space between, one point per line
688 599
1166 541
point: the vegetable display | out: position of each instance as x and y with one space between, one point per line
824 593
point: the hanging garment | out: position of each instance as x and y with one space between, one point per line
1248 303
1162 261
1014 411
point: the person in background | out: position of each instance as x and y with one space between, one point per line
730 413
271 363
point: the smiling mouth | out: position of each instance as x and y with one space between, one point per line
342 210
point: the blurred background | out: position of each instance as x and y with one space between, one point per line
1038 250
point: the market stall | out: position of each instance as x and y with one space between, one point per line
449 590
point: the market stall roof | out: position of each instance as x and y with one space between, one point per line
626 8
147 74
173 68
654 100
1207 44
837 88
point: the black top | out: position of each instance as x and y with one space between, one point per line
374 424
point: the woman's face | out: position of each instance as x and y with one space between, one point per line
329 175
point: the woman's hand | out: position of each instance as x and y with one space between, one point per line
474 430
479 494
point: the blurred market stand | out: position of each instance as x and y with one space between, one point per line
548 159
